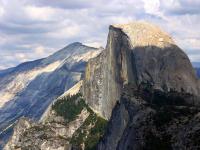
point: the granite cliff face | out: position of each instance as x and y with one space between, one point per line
137 53
159 92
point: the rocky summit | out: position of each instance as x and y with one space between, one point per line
140 93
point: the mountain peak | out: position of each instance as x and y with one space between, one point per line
154 36
69 51
74 44
33 85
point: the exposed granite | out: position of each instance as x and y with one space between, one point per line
137 53
52 135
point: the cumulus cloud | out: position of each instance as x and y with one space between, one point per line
32 29
152 7
181 7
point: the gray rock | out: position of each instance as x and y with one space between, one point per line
136 125
137 53
48 135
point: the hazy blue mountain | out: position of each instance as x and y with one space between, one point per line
196 66
198 71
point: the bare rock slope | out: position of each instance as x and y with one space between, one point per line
28 89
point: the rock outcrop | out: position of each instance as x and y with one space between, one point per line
51 132
137 53
67 124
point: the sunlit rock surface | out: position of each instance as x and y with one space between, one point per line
28 89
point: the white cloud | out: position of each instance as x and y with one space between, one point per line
190 45
37 28
40 50
194 58
68 31
40 13
1 10
93 44
151 6
20 55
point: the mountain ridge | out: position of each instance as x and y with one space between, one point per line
23 88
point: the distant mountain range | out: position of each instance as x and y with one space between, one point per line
196 65
198 72
28 89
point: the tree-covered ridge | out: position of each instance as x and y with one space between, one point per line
89 134
91 130
69 107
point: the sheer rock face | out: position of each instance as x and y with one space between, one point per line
137 53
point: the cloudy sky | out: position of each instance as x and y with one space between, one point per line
32 29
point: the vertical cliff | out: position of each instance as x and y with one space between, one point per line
159 92
137 53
